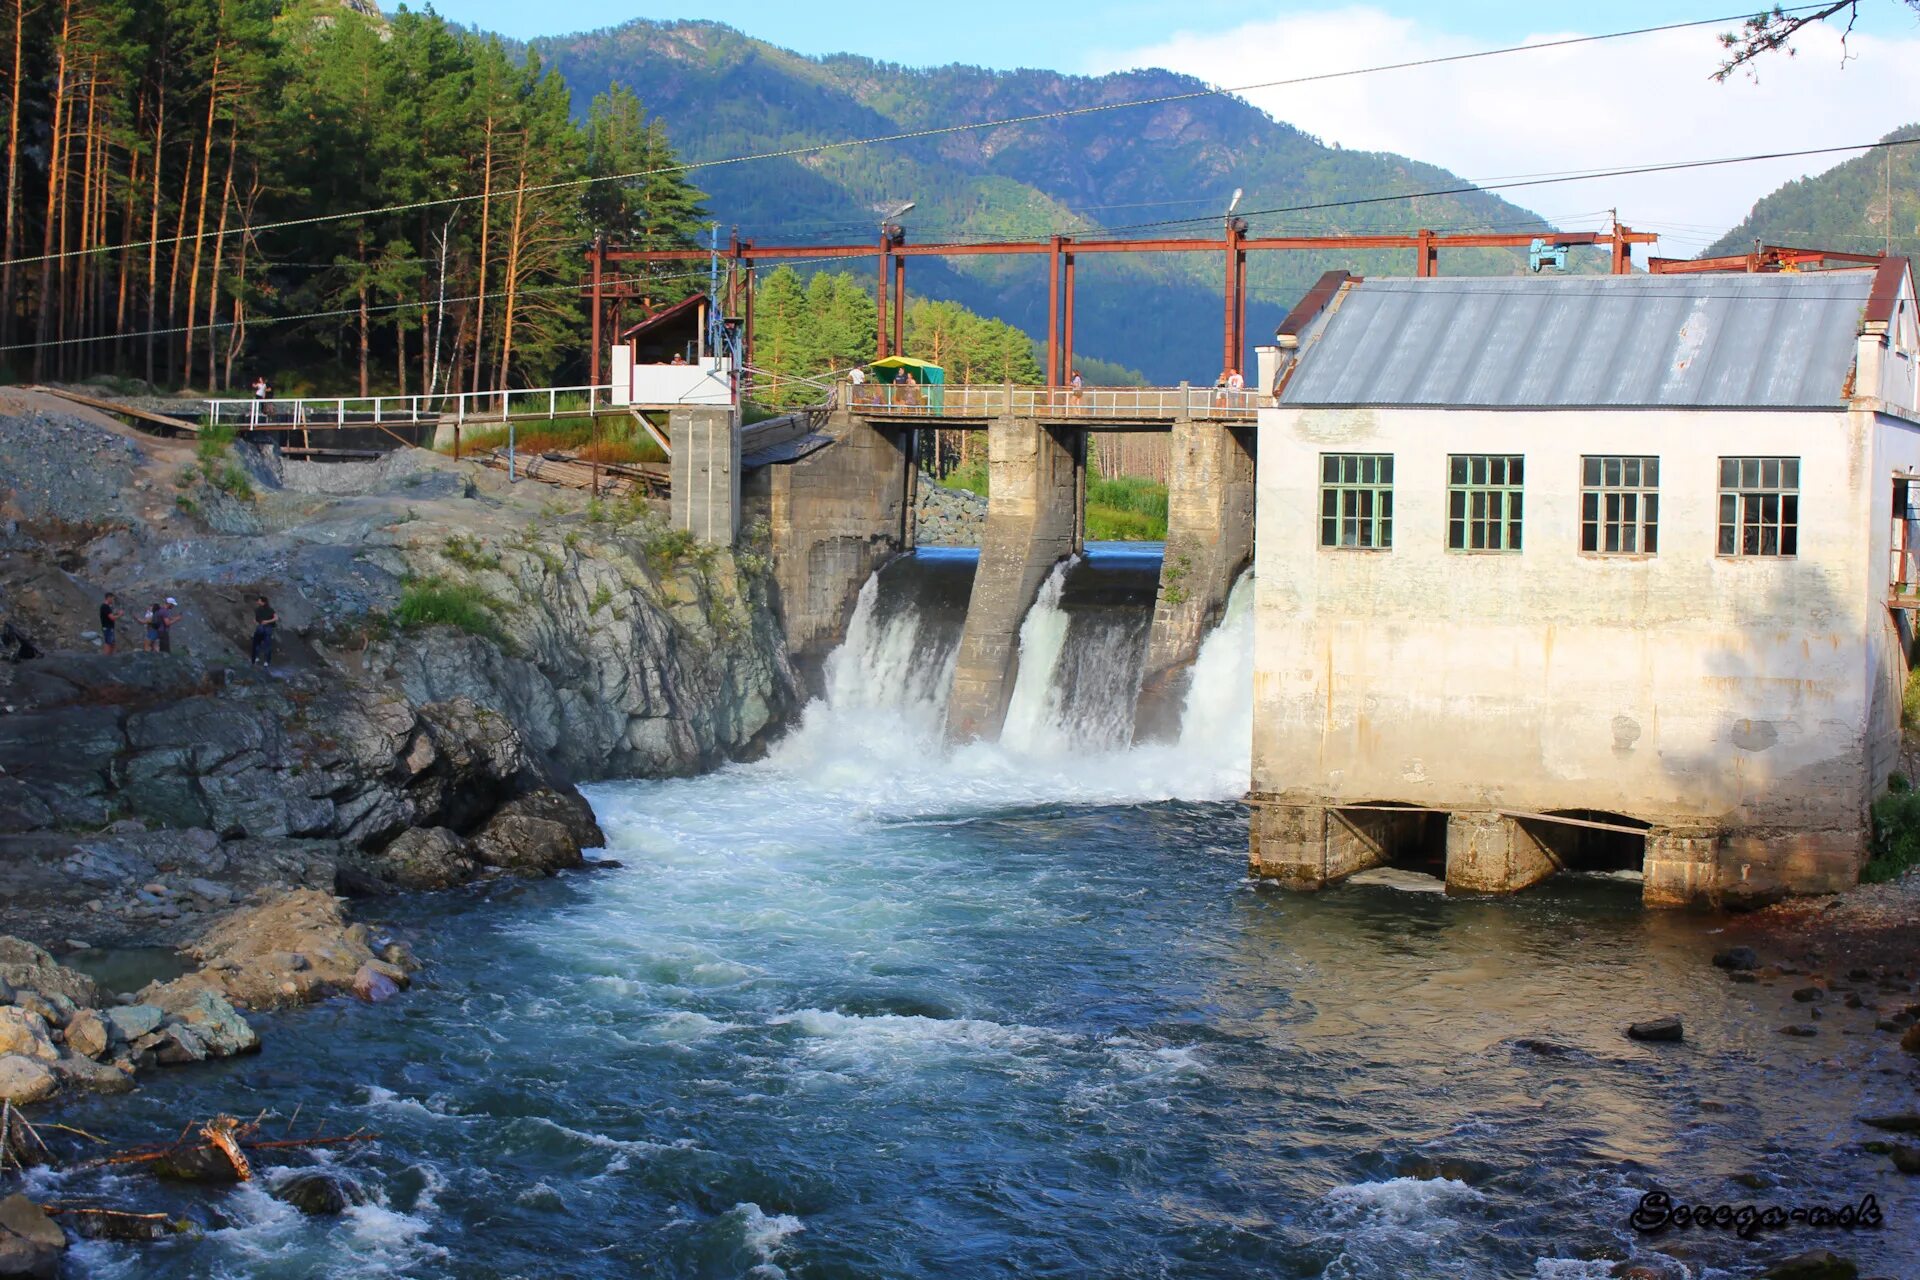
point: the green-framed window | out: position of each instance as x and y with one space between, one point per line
1619 505
1484 501
1759 506
1356 501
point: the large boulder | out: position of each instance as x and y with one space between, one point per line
425 858
88 1033
25 1080
23 965
30 1242
198 1017
568 808
129 1022
26 1033
526 845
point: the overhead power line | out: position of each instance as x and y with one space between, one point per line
934 131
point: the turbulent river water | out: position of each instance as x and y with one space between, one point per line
874 1008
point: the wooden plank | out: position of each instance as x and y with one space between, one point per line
119 410
1622 828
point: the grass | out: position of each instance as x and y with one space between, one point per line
1126 509
620 438
214 448
1896 833
468 553
430 602
1119 509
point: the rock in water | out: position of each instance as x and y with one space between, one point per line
1738 958
1815 1264
1656 1029
195 1164
20 1258
24 1218
1911 1040
526 845
321 1192
373 986
24 1080
426 858
1906 1158
1899 1122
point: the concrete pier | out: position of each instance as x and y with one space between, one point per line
1035 517
705 472
1210 487
1494 853
834 516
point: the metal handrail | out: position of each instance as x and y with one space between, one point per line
320 412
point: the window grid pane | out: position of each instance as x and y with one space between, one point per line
1759 506
1356 501
1484 502
1620 505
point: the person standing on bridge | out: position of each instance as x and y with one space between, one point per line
1076 388
1235 385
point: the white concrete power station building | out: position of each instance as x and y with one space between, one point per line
1587 570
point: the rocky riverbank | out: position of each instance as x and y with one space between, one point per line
454 653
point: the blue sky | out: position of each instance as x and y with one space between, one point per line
1059 35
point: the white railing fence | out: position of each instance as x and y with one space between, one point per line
320 412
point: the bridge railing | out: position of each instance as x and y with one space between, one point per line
321 412
913 400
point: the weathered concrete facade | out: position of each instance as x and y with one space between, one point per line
1743 709
834 516
1210 501
1036 512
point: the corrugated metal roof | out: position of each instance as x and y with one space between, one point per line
1782 341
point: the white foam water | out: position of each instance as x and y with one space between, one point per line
874 745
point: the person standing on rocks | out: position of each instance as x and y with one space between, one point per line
168 616
109 622
152 618
264 621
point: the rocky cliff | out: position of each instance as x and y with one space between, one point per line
454 653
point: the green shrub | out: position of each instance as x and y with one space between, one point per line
972 478
469 553
1910 702
665 548
430 602
1896 833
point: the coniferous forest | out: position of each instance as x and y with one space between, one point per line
199 192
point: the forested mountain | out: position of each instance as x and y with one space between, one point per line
1870 204
199 191
724 94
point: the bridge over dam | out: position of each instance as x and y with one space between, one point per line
837 513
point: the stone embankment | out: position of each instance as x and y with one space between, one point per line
454 653
946 517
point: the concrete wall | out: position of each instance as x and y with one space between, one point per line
1729 702
1210 489
705 473
1036 487
834 516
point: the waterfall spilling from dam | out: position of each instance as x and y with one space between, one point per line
1070 718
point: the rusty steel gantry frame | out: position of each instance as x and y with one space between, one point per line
1061 253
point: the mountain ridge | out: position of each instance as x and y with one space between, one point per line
722 93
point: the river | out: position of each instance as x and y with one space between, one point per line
874 1008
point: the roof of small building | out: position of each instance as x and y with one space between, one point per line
1777 341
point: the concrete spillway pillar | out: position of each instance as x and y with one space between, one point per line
1036 497
1209 541
1311 846
705 472
834 517
1493 853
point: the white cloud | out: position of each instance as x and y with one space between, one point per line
1617 103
